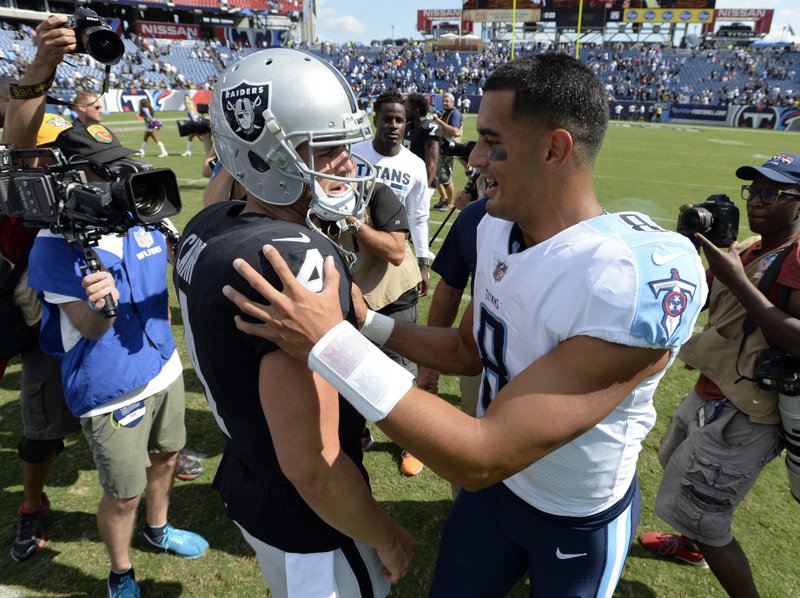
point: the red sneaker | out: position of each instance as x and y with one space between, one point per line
29 535
672 546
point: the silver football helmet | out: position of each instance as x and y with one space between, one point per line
271 102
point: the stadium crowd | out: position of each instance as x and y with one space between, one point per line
641 72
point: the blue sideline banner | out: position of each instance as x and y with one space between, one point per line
698 114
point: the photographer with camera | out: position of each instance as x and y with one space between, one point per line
121 371
729 427
450 122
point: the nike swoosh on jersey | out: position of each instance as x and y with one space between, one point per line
301 239
660 260
566 555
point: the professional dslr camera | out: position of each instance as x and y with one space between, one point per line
188 126
95 37
717 219
777 371
58 196
457 150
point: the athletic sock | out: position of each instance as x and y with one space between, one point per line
115 579
155 534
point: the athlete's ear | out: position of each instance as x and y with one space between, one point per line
559 149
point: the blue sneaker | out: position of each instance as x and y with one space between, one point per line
182 543
127 588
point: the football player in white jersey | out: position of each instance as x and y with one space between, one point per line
576 315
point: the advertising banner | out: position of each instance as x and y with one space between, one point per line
155 29
668 15
502 11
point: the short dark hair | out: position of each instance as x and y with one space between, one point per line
557 91
418 101
391 96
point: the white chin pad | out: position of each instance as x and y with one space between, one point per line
334 207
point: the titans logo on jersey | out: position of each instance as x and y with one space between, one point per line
677 294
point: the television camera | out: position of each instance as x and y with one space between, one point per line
457 150
200 126
58 197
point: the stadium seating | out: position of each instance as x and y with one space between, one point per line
639 73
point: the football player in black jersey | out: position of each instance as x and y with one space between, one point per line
422 135
291 476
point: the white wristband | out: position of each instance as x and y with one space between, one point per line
377 327
370 381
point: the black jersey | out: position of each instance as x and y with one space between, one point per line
416 136
257 494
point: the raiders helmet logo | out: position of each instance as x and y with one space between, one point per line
244 106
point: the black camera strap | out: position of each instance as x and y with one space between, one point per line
764 285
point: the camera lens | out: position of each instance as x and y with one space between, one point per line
147 198
103 45
697 220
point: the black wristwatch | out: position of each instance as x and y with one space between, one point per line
422 262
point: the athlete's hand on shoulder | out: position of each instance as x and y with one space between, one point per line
397 559
295 318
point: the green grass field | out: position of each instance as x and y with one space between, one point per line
652 169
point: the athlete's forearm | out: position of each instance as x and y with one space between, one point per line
440 349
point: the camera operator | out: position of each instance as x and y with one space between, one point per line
450 121
728 428
122 375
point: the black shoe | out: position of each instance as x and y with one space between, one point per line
366 440
29 535
440 206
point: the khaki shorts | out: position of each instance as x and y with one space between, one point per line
121 454
444 169
709 470
45 415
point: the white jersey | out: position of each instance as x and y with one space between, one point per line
617 277
406 175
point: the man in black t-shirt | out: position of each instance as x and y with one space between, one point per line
291 476
387 274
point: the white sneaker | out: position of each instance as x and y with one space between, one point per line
163 155
186 154
140 153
